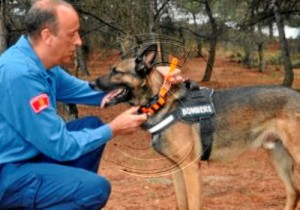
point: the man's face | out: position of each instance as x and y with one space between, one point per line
67 37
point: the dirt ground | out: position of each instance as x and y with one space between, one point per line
246 182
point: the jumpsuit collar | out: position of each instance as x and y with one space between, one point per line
25 47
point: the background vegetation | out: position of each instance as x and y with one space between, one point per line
204 25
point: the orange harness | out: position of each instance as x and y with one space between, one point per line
158 101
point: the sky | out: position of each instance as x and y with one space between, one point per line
291 32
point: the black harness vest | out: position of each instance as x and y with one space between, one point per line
196 107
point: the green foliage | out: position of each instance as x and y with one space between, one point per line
236 57
273 60
296 64
105 22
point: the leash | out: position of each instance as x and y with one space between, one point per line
159 100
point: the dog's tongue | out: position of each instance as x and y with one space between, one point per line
109 96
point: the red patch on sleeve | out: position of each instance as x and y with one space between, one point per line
39 103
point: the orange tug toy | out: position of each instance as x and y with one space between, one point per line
159 100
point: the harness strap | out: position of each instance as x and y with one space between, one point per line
167 121
207 131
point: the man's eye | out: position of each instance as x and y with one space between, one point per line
71 35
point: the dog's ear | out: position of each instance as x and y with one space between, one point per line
145 59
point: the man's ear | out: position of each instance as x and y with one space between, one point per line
145 59
46 37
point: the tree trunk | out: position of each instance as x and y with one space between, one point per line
248 45
288 68
260 46
154 36
213 43
3 32
247 60
181 35
271 32
211 59
199 46
198 39
80 62
261 65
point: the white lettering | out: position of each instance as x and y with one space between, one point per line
196 110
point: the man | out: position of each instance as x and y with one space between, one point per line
44 162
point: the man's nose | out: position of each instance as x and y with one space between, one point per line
78 41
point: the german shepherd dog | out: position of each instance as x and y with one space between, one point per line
259 116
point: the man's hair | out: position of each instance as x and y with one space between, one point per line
43 14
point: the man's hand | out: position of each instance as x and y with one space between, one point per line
174 77
127 122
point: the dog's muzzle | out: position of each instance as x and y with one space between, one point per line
124 95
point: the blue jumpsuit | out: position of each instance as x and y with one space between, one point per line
46 163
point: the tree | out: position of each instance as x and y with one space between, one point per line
195 9
260 41
215 33
3 32
289 76
278 11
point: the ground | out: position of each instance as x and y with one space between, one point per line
246 182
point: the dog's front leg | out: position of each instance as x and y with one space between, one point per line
192 180
191 170
180 189
169 146
185 143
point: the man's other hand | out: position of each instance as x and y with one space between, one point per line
127 122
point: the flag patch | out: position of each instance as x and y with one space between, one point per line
39 103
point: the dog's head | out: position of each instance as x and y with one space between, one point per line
131 77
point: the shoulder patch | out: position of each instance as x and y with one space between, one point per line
39 103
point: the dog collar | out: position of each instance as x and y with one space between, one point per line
153 105
158 101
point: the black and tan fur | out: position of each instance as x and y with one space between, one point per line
264 116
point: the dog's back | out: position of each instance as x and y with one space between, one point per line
243 114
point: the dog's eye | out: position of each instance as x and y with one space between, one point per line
114 70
